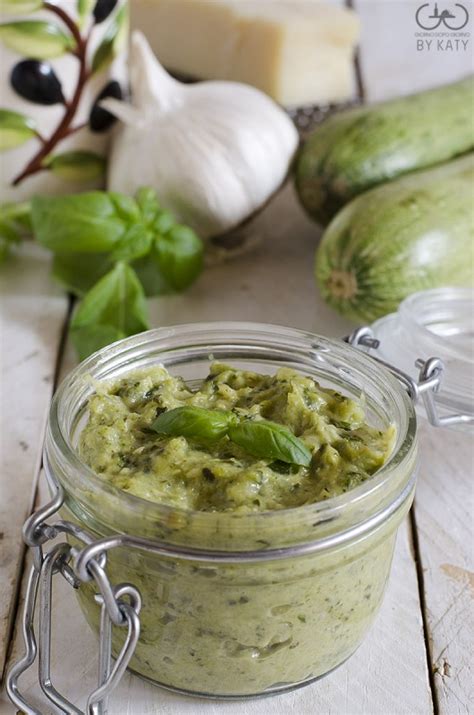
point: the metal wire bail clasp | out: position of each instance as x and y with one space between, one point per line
120 606
430 377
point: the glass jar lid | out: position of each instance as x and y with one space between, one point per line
440 323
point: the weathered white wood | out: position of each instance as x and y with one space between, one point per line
444 516
392 65
32 313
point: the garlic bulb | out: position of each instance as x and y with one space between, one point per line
213 151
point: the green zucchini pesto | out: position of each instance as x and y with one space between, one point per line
120 444
238 629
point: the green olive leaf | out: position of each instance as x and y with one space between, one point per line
86 223
36 39
179 255
84 10
15 129
77 272
135 243
194 423
19 7
114 308
269 440
113 41
76 165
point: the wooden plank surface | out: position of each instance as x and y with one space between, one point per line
32 314
444 518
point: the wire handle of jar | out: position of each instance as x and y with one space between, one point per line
430 377
120 606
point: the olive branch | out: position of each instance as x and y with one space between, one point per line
48 40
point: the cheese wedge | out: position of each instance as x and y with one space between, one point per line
297 51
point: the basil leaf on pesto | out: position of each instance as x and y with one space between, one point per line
194 423
269 440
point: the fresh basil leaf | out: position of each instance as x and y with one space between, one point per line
147 201
114 308
15 129
36 39
195 423
135 243
269 440
126 207
179 254
86 223
90 338
76 165
77 272
150 276
163 222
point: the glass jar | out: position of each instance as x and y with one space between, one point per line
437 322
275 599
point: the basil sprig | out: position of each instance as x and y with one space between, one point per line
111 250
260 438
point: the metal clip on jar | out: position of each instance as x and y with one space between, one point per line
268 601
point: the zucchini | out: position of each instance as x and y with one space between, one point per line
413 233
356 150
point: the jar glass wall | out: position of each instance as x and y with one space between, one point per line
308 581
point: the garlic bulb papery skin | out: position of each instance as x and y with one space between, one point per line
213 151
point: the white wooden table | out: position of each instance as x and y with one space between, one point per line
418 656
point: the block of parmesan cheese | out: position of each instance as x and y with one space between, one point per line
297 51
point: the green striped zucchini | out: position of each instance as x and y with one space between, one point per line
413 233
362 148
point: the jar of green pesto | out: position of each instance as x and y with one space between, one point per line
232 605
275 599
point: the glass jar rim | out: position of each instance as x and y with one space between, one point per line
63 457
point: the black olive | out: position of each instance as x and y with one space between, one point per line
100 119
37 82
102 9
